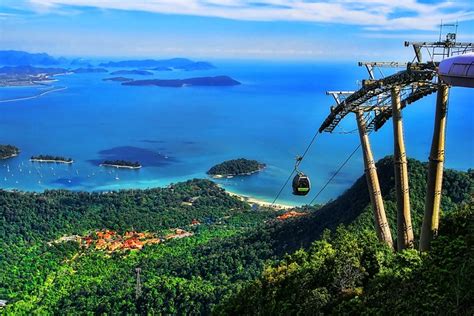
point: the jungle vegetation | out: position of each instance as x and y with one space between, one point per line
235 167
7 151
239 260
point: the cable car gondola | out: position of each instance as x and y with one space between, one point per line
301 184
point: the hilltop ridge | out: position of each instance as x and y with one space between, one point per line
22 58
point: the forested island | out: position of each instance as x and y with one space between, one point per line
8 151
178 83
89 70
20 69
121 164
27 75
119 79
163 64
162 68
50 159
31 70
236 167
132 72
233 260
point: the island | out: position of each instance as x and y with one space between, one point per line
163 64
178 83
119 79
8 151
162 68
199 65
51 159
27 75
89 70
22 58
81 62
132 72
236 167
121 164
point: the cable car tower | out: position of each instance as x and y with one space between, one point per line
374 104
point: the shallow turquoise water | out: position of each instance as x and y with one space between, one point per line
179 133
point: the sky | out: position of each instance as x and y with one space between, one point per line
229 29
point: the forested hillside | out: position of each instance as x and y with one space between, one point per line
351 273
229 248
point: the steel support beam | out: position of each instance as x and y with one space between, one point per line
429 229
381 224
405 237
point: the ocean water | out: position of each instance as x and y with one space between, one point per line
179 133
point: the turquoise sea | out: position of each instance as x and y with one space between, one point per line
179 133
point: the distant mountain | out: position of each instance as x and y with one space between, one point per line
88 70
132 72
177 83
199 65
21 58
30 70
81 62
176 63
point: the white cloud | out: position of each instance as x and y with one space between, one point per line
372 14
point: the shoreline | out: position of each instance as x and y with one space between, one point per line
8 157
228 176
51 161
33 96
119 166
253 200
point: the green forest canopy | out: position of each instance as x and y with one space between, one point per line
236 167
7 151
229 250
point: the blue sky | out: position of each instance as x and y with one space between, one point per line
258 29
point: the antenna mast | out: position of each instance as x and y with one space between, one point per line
138 286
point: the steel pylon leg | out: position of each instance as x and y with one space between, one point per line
429 229
381 223
405 237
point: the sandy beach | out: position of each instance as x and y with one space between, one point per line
51 161
251 200
8 157
119 166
